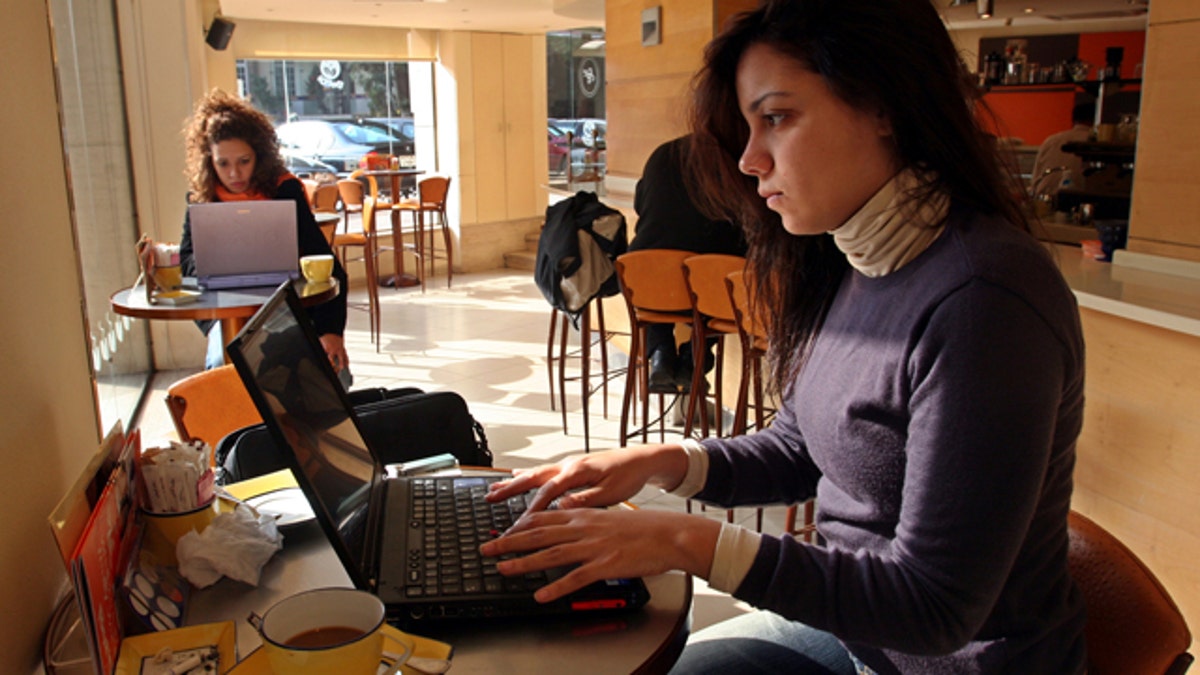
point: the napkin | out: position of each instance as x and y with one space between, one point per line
236 545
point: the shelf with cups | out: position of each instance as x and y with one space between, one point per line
1093 87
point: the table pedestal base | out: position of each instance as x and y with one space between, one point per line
399 281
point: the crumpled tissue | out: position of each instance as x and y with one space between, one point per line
235 544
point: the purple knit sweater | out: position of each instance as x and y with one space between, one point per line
935 422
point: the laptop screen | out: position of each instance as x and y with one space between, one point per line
245 239
292 383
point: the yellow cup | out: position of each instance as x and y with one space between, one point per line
331 630
317 268
163 530
168 278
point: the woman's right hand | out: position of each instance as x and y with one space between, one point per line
596 479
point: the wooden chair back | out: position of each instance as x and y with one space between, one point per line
324 198
652 281
210 404
705 277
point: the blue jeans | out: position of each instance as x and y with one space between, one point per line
215 356
763 642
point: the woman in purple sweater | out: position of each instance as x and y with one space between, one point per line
928 358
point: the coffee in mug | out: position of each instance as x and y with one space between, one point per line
331 630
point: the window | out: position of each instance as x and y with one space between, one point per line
575 132
331 113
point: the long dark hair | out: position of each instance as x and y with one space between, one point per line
893 56
220 116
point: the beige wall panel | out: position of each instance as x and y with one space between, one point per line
647 87
518 99
1139 452
1165 249
1166 203
487 74
1174 10
647 112
685 29
727 8
47 405
280 39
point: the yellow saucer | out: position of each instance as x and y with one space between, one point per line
256 664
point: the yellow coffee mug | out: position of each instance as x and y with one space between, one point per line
331 630
317 268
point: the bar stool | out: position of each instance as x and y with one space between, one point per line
655 292
431 200
712 315
589 337
752 334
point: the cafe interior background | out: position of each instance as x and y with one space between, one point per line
97 92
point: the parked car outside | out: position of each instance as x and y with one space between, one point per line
336 143
307 167
401 130
588 144
556 149
587 132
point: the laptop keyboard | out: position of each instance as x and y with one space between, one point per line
449 520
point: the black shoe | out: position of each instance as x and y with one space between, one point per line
662 373
683 376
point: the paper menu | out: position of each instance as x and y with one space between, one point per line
71 515
97 536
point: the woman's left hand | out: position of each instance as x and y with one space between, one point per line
605 544
335 348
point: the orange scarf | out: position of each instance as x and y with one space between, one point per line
225 195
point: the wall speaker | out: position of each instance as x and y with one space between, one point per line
219 33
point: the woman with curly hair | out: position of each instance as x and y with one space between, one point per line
928 357
233 155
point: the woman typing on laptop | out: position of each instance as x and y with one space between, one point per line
233 155
928 359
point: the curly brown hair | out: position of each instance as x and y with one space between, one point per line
220 116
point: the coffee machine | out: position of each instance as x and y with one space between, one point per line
1107 181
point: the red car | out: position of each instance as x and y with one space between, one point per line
558 151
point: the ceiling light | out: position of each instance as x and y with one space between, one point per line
985 8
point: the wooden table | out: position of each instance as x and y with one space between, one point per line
644 641
231 306
395 176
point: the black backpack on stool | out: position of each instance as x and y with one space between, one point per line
400 424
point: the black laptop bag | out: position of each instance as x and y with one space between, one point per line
400 424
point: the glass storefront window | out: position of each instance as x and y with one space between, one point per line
329 114
575 112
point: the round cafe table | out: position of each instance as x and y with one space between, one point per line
231 306
645 641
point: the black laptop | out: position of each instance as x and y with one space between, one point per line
411 540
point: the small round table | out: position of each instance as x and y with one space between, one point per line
231 306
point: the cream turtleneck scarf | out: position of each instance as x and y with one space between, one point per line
891 228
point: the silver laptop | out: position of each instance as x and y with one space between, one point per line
241 244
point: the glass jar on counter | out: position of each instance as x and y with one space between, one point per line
1127 129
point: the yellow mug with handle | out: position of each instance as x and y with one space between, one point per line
331 630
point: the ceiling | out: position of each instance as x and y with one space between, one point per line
504 16
540 16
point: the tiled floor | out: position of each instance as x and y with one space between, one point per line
486 339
